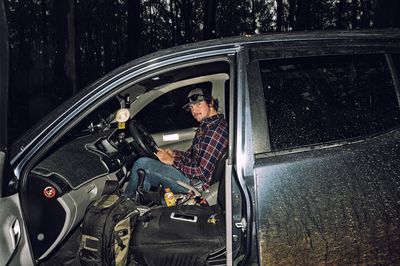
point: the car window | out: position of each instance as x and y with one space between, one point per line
165 113
322 99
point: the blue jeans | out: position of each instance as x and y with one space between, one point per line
156 173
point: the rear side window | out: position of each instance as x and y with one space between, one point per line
323 99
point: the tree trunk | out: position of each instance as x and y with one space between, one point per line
366 13
186 12
178 21
69 66
319 20
292 8
134 28
354 11
63 63
279 15
303 15
78 63
210 7
106 36
44 47
341 8
172 10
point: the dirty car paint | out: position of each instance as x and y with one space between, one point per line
335 206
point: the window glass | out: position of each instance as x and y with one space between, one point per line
165 113
396 60
322 99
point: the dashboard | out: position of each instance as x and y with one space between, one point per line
61 186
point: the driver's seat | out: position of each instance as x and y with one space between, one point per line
217 185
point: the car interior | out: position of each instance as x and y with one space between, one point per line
138 117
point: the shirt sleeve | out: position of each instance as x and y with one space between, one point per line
182 156
178 154
212 145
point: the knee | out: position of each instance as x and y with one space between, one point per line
141 163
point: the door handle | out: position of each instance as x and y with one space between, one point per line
15 233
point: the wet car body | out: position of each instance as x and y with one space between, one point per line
294 195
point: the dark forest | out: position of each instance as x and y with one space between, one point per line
59 47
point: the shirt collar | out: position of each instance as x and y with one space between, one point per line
211 119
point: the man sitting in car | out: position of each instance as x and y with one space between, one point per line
199 161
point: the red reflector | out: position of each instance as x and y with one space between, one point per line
49 192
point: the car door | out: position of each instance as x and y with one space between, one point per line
327 156
13 245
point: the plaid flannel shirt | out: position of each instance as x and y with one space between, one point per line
209 145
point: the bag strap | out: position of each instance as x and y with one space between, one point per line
110 187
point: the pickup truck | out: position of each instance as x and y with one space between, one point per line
311 176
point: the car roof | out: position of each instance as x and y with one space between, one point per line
200 47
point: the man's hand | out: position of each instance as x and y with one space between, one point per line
165 156
170 152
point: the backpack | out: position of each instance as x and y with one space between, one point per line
107 228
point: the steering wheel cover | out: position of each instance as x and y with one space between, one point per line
143 141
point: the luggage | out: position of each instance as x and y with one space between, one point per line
107 229
180 235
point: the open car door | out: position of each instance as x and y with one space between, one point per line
14 248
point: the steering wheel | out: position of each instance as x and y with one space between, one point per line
143 141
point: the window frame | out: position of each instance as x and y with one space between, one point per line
259 115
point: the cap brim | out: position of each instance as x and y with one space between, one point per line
186 106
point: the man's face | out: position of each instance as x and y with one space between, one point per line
200 110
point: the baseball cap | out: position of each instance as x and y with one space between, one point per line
196 95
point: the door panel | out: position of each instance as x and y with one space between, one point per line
14 249
337 206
